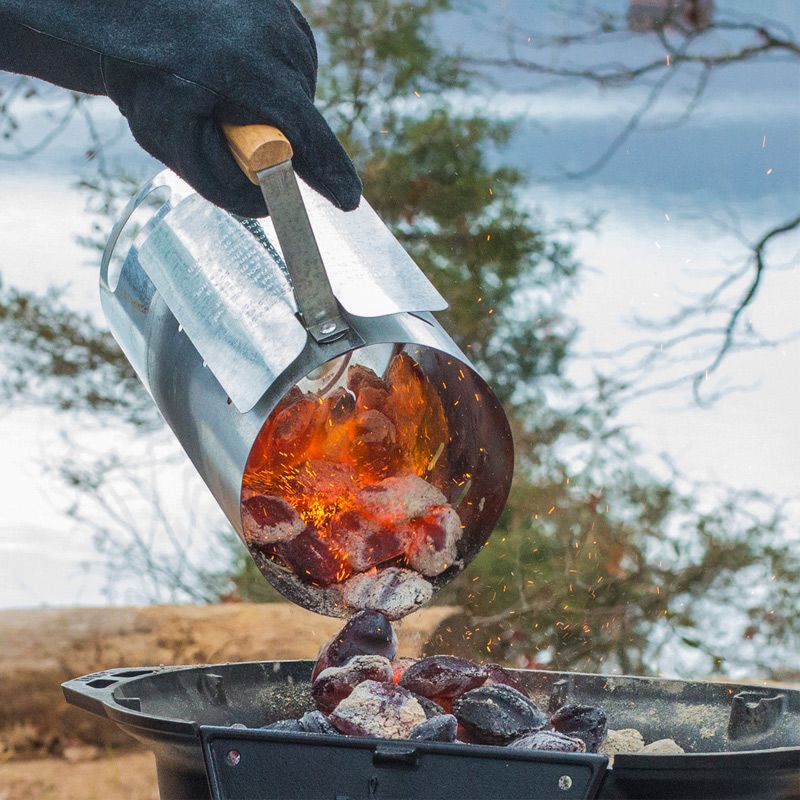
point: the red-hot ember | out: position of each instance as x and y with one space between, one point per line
361 688
342 485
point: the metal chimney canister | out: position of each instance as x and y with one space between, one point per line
202 305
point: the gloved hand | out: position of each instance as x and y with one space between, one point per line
178 69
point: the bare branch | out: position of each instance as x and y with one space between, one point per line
22 153
623 136
699 52
692 105
613 75
747 299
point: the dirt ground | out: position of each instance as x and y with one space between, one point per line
114 776
51 750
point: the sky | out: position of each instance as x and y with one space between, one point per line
661 199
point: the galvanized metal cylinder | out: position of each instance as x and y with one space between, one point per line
204 313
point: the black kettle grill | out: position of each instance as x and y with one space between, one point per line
742 742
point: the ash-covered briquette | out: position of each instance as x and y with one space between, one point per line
662 747
310 722
400 499
333 684
587 723
283 725
442 728
552 741
378 709
267 520
317 722
443 677
366 541
497 714
626 740
368 633
498 674
393 591
430 707
433 542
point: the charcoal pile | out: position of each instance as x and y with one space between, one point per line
361 688
351 493
342 489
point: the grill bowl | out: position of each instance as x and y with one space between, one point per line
742 741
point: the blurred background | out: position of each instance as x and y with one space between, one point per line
607 194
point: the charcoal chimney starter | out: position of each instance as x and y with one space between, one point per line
366 469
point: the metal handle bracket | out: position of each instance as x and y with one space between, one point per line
317 306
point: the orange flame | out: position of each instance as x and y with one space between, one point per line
317 453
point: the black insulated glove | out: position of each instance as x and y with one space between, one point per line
178 69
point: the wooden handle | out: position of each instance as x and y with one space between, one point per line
256 147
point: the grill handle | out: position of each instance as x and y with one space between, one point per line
95 692
396 756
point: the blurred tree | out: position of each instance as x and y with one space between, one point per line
668 49
56 357
597 564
